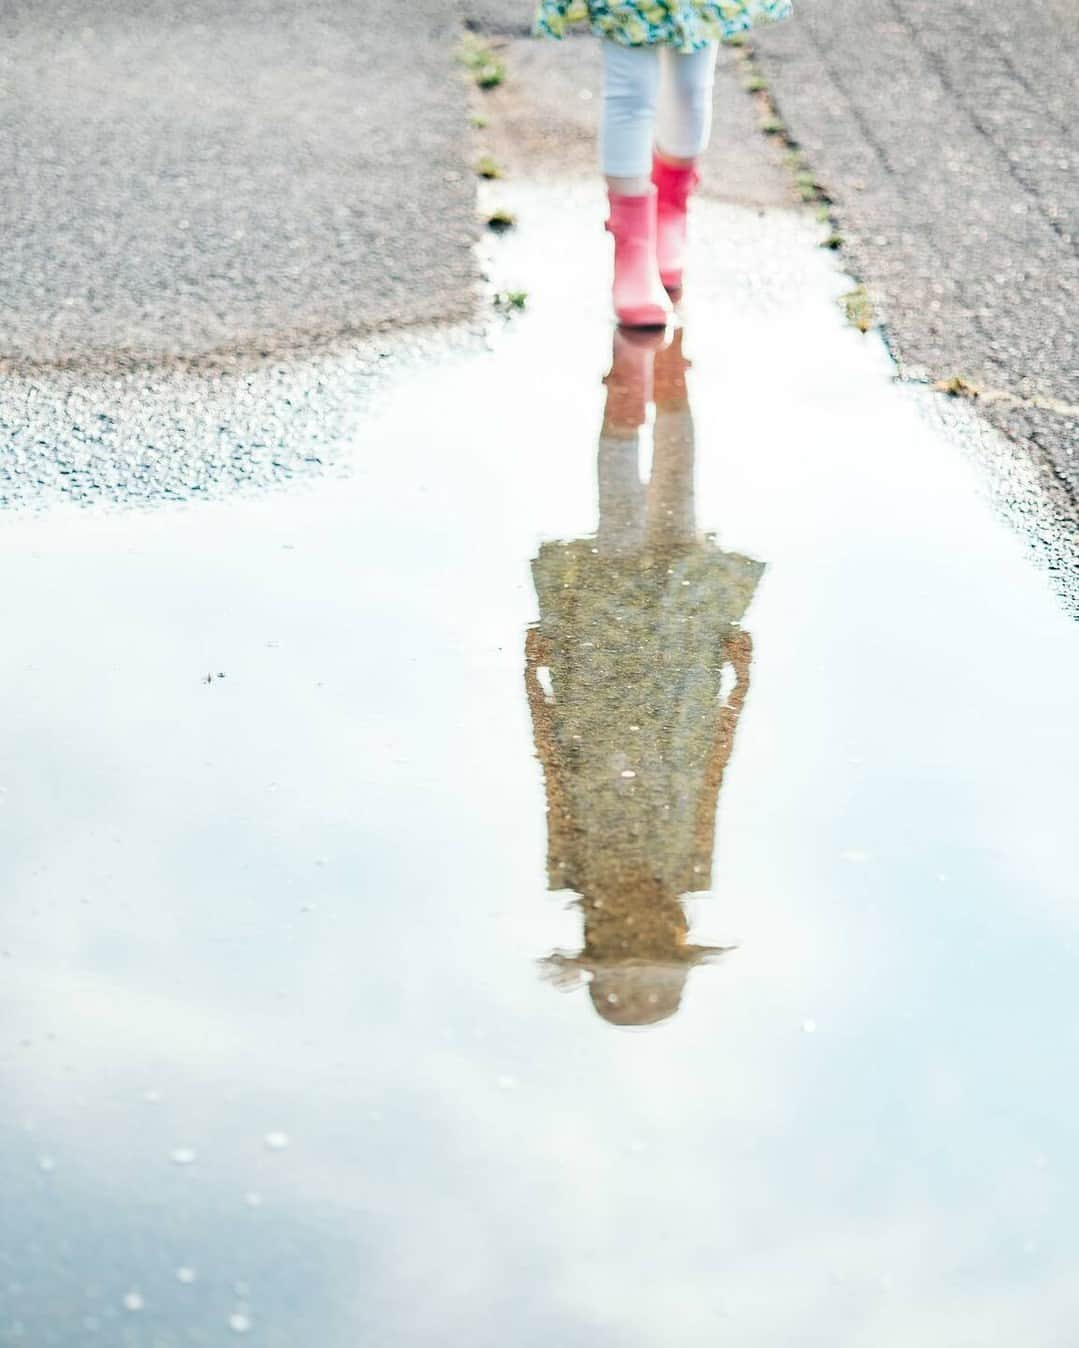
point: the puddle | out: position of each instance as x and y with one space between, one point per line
413 932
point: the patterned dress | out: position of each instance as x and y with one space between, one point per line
687 25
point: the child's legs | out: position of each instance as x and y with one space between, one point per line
630 90
684 117
671 513
622 494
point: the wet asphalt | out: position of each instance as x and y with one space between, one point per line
192 190
945 132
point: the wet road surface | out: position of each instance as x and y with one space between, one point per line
372 971
944 131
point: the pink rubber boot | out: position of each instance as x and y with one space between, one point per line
673 188
639 298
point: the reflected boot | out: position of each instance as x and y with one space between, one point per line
622 494
673 188
629 381
639 298
669 374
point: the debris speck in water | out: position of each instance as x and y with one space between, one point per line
500 220
957 387
133 1301
854 856
809 1026
628 773
239 1322
46 1164
507 1083
183 1155
276 1141
186 1275
253 1199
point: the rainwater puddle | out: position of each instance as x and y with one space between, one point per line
360 844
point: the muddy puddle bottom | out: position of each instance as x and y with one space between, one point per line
373 969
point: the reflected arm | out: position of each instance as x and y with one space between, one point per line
559 831
737 651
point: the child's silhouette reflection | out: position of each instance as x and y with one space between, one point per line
636 675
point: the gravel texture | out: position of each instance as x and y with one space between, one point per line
144 433
220 212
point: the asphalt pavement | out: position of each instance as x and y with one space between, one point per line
945 132
232 186
183 177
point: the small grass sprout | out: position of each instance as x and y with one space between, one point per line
511 301
487 166
482 62
859 308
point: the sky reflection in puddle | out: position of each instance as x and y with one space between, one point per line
310 899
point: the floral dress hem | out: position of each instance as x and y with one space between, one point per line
686 25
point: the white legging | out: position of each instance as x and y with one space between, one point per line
654 96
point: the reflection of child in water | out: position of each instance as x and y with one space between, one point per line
624 674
